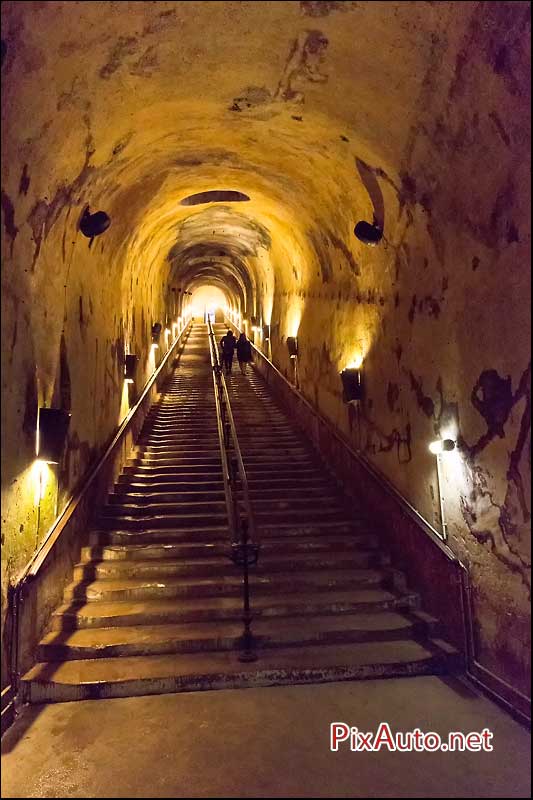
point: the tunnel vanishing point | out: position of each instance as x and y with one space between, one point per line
349 181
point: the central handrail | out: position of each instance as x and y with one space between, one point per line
243 530
229 439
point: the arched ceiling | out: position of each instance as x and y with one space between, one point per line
154 102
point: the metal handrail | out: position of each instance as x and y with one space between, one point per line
243 531
226 464
229 436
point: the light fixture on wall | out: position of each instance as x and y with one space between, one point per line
52 428
130 367
292 346
266 332
352 384
438 447
368 233
442 446
156 334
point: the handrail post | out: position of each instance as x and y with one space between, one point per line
248 553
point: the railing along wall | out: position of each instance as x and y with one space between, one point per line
415 546
41 585
244 534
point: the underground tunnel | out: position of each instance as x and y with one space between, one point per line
348 184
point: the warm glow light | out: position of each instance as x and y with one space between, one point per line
155 346
40 476
125 399
356 363
294 316
442 446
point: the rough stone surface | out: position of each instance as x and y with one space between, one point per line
324 114
194 745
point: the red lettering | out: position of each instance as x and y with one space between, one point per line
384 737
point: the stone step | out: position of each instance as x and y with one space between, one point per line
141 675
151 445
169 485
213 457
195 447
210 565
145 516
253 471
100 614
163 503
220 546
140 523
224 585
220 636
161 493
191 507
188 469
196 481
207 422
126 495
148 535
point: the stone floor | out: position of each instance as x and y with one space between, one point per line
269 742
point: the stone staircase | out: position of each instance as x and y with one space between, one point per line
155 604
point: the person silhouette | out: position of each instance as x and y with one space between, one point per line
227 346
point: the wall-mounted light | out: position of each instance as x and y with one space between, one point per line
130 367
438 447
368 233
156 334
442 446
266 332
52 427
292 346
352 384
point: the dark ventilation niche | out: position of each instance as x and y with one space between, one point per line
368 233
214 196
92 225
